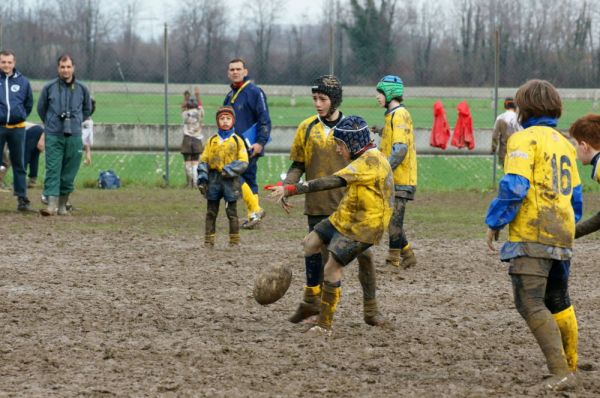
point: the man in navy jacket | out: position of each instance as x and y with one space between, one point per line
253 124
16 102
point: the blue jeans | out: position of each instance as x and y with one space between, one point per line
15 138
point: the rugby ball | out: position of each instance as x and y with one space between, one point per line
272 283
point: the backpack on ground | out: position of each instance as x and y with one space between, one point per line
108 180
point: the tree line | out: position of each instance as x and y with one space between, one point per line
447 43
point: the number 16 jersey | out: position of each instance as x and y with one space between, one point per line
548 160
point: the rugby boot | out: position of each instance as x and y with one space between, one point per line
393 257
234 240
372 315
310 305
408 258
52 208
63 200
567 382
567 324
209 241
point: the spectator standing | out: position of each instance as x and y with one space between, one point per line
87 136
63 105
505 126
253 123
192 143
16 102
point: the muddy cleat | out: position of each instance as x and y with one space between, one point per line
234 240
319 331
408 258
372 316
393 258
310 306
209 241
23 204
566 382
254 220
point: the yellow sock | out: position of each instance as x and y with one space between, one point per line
250 199
330 297
406 248
257 208
567 323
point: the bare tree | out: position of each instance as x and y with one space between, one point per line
263 16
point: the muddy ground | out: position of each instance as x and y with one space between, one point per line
122 300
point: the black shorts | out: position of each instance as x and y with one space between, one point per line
342 248
191 146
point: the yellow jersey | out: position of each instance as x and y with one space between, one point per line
314 146
548 160
218 152
365 210
398 128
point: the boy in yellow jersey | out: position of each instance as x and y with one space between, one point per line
586 131
313 153
540 199
223 160
361 217
398 145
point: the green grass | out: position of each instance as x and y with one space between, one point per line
149 109
435 173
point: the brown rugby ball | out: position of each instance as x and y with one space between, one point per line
272 283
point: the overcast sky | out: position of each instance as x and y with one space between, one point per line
156 12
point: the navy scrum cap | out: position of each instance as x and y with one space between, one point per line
354 132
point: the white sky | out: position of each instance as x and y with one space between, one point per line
154 13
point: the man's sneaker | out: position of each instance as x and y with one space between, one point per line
44 199
254 220
23 204
32 182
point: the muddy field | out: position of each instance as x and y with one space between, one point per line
121 299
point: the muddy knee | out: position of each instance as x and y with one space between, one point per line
312 244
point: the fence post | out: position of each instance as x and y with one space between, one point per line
496 79
166 49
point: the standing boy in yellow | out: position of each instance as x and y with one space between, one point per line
540 199
398 145
361 217
313 153
586 131
223 160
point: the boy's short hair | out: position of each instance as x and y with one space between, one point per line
538 98
587 128
509 103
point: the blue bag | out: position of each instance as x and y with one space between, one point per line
108 180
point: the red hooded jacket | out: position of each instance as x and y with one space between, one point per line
463 131
440 132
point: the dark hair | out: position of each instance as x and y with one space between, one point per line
93 106
64 58
509 103
538 98
238 60
7 53
587 128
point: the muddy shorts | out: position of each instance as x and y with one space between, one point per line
191 146
343 249
220 187
546 267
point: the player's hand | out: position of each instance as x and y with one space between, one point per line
255 150
202 187
278 195
491 236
